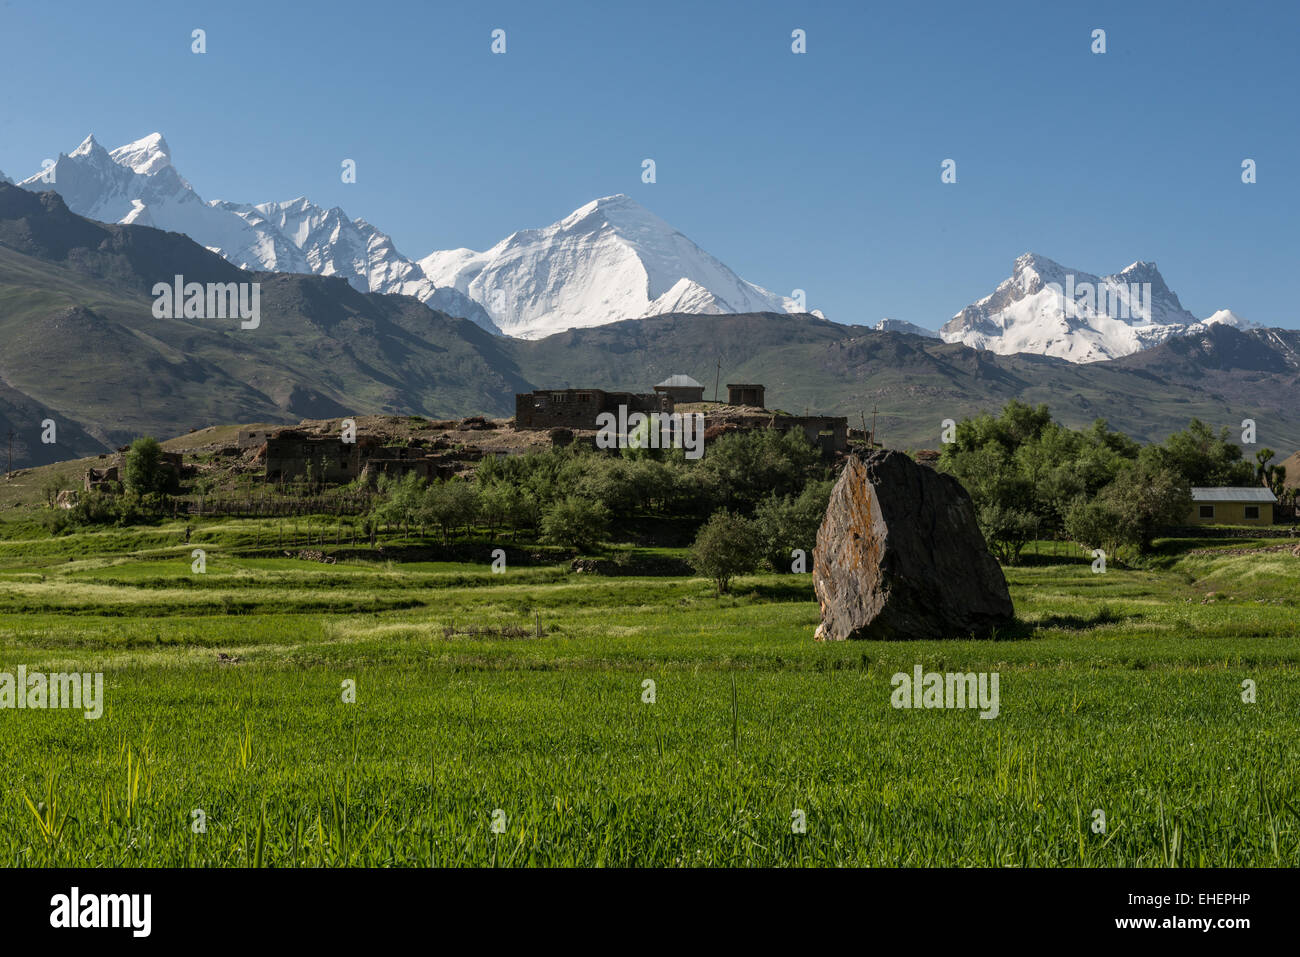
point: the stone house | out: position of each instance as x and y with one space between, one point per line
745 394
291 453
578 408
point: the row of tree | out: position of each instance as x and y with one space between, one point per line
573 496
1031 477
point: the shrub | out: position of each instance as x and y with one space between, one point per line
728 545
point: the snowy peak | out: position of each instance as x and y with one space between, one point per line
1050 309
608 260
137 184
145 156
1226 317
89 147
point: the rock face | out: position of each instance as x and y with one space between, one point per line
900 556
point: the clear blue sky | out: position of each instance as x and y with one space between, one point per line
818 171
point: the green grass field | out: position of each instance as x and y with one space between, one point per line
1120 692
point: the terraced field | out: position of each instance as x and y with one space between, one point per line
509 718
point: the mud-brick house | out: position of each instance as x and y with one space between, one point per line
578 408
290 453
1232 506
745 393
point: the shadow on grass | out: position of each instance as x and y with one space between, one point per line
1023 630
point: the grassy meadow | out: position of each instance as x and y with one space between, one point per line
500 719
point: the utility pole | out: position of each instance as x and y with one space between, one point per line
9 472
717 379
873 425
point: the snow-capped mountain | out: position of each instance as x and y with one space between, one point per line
4 178
137 184
901 325
609 260
1229 318
1047 309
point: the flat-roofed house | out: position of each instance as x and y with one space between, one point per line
1232 506
745 393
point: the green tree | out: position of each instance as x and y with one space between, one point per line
728 545
1272 477
575 522
742 469
786 523
450 504
1007 530
1202 458
144 471
1144 500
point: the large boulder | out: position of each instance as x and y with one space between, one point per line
899 556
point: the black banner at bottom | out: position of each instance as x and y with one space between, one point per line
333 907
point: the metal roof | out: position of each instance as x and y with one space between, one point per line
679 382
1254 494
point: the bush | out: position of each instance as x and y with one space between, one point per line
728 545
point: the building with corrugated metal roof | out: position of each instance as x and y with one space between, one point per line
1232 506
682 388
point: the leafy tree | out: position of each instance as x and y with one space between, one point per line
1144 500
727 546
144 470
1007 531
575 522
1093 525
1272 477
784 524
449 505
1202 458
743 468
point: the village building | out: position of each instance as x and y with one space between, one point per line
1232 506
293 454
252 438
745 394
109 478
103 480
682 388
578 408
